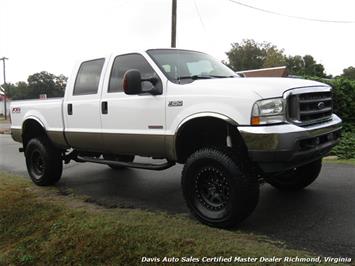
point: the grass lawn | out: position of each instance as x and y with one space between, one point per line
39 226
349 161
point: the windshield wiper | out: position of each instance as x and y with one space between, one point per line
222 77
194 77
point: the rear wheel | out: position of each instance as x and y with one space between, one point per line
298 178
120 158
43 161
216 191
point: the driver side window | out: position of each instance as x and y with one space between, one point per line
122 63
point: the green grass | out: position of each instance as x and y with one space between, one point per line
341 161
38 226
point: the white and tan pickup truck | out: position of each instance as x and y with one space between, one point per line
187 108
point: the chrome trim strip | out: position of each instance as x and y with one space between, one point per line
302 90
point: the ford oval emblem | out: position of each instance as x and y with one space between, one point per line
321 105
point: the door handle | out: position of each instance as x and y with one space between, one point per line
70 109
104 108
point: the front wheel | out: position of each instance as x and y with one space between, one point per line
43 161
216 191
297 178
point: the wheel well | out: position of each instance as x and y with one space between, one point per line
32 129
206 131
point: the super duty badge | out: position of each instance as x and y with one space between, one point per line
175 103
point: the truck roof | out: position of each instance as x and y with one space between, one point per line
128 51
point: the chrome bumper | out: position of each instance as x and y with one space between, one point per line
281 147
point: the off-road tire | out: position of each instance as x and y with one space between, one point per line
43 161
298 178
216 190
121 158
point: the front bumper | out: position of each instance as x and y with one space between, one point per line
281 147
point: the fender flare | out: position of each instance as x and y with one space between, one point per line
32 117
205 114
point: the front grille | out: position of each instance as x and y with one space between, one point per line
310 108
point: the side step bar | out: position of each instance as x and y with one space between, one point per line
147 166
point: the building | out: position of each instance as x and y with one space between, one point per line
265 72
2 97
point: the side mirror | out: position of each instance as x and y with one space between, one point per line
132 82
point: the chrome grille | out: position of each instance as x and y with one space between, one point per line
310 108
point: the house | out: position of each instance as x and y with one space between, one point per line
2 97
265 72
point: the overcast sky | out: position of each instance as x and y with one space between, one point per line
51 35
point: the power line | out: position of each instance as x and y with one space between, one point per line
290 16
199 15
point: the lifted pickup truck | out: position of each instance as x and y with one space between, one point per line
188 108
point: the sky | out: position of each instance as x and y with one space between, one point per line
51 35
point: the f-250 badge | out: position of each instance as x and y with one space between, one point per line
175 103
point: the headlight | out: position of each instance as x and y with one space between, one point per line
271 111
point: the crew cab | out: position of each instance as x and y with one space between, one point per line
185 107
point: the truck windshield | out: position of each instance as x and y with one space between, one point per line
183 66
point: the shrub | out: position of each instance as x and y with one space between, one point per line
345 149
344 106
343 100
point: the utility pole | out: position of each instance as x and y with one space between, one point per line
3 64
173 24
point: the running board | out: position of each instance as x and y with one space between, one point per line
146 166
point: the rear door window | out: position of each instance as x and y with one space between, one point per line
88 78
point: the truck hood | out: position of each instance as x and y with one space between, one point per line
263 87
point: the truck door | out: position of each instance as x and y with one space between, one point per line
132 124
82 107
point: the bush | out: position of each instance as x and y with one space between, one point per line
345 149
343 100
344 106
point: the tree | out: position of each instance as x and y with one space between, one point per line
274 57
349 73
46 83
311 68
8 89
244 56
252 55
38 83
295 65
304 66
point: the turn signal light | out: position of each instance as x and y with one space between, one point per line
255 120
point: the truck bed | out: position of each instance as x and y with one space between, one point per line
47 112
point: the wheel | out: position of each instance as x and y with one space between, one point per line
298 178
215 189
121 158
43 161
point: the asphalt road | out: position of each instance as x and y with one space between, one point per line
320 219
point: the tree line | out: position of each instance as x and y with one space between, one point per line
37 84
250 54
